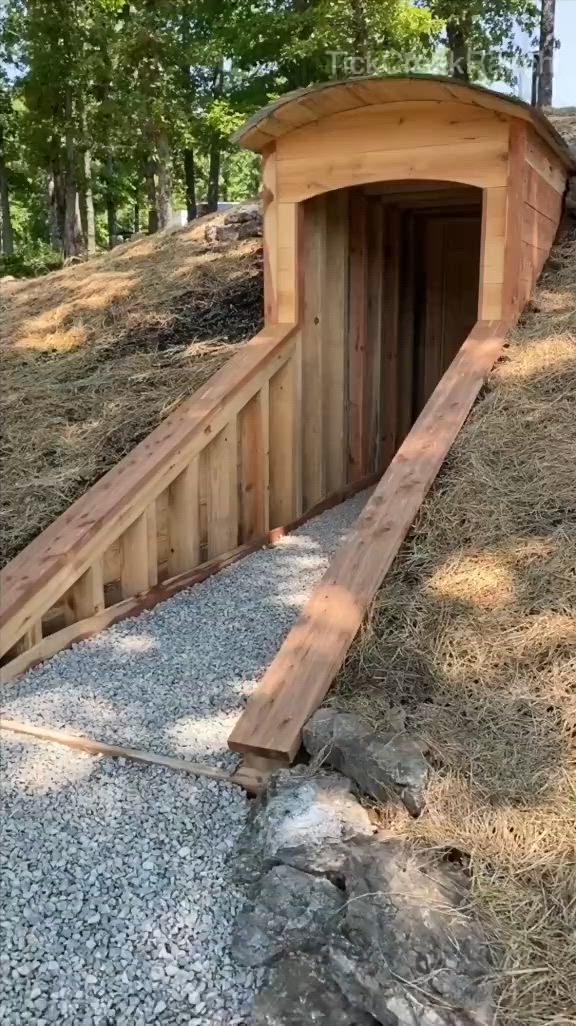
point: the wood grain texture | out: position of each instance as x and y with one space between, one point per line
394 388
87 595
313 327
284 465
299 677
253 438
183 520
135 572
334 338
222 479
482 163
357 334
270 241
513 295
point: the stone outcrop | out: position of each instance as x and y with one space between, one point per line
301 821
383 766
244 222
359 929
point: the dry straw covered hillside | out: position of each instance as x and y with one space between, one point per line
94 356
472 643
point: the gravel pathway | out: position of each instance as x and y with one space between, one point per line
116 893
175 679
116 881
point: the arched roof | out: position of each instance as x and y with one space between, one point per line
304 106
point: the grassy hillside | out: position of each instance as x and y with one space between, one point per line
94 356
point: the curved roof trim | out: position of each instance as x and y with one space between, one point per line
304 106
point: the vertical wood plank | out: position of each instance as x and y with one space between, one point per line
86 597
492 252
270 241
357 334
390 380
135 570
314 258
183 520
284 462
152 542
396 426
32 637
334 338
375 273
514 291
253 467
222 481
288 218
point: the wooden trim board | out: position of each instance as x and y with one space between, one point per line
88 627
251 780
299 677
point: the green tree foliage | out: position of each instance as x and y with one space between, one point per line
115 113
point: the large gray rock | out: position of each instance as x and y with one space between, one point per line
409 953
301 993
301 820
383 766
293 912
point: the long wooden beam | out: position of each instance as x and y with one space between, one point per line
251 779
299 677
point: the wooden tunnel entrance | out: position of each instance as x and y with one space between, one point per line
390 288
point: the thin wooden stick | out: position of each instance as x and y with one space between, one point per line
251 781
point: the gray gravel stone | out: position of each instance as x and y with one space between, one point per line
144 941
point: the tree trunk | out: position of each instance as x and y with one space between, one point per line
56 209
87 204
547 43
164 181
150 177
5 213
213 175
86 195
110 203
215 146
190 180
457 43
73 242
136 217
360 32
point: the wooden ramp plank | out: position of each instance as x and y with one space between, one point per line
302 672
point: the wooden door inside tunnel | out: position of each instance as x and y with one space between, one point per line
390 291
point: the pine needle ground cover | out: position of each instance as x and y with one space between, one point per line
96 355
471 644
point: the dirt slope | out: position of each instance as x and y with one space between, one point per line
472 643
94 356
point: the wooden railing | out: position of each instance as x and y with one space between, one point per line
219 473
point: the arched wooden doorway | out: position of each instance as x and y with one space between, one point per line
389 292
